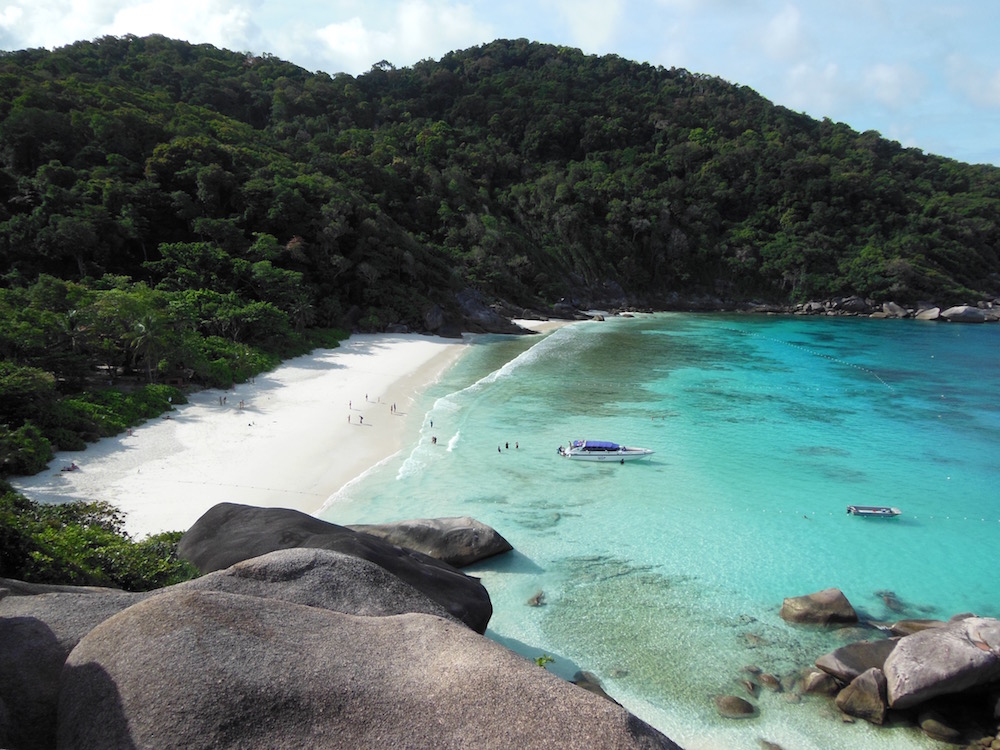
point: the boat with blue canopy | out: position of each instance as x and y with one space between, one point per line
602 450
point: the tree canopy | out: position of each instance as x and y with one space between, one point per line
174 213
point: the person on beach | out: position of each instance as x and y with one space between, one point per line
361 419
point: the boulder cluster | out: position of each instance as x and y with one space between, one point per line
984 311
300 634
941 676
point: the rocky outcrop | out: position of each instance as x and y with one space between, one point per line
457 541
847 662
949 672
893 310
37 633
864 697
817 682
479 317
910 626
320 578
964 314
821 608
229 533
959 656
200 669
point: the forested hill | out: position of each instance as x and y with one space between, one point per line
525 171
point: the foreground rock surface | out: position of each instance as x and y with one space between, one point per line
457 541
198 669
320 578
229 533
37 633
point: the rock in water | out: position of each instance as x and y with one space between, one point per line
960 655
865 697
964 314
199 669
734 707
847 662
229 533
822 608
457 541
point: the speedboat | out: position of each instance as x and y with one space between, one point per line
883 511
602 450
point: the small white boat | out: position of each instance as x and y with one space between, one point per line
602 450
883 511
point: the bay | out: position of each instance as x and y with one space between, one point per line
664 577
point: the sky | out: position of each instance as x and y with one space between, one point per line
925 73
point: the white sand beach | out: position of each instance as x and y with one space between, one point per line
291 438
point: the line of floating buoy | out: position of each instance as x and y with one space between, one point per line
815 353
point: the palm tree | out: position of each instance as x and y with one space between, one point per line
147 339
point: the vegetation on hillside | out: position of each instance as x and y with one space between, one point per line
82 544
175 214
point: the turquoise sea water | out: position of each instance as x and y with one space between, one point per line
664 577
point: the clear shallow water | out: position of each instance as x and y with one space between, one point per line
664 577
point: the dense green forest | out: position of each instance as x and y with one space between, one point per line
175 214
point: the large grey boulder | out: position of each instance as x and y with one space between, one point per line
14 587
894 310
960 655
821 608
37 633
964 314
320 578
229 533
865 697
199 669
847 662
457 541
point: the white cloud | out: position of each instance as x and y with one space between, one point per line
216 22
592 24
418 29
54 23
10 15
892 85
783 36
811 89
975 82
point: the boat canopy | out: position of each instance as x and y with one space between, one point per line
595 445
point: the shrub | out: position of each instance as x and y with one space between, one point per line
23 451
83 544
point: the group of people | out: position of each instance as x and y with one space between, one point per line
361 418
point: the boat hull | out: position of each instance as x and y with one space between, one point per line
613 457
602 451
873 511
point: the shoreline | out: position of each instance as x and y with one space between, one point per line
291 437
